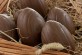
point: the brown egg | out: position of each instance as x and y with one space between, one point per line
38 5
56 32
16 14
30 24
61 16
6 25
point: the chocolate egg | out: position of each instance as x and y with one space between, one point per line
16 14
61 16
56 32
30 24
39 5
6 25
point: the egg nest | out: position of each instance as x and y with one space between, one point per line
72 7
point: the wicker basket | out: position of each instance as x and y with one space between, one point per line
3 5
11 48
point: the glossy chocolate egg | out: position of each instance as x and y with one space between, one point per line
38 5
16 14
6 25
30 24
61 16
54 31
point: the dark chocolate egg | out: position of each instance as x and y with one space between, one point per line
54 31
61 16
6 25
16 14
30 24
